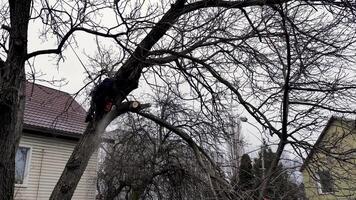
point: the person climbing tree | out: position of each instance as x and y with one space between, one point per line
103 96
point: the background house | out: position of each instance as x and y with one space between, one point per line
329 171
53 123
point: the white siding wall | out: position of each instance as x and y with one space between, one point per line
48 158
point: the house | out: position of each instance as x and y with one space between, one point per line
329 171
53 123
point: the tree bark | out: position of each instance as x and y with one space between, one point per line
78 161
12 101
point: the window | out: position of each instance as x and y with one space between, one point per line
324 182
22 161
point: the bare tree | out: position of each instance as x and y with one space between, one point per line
287 63
142 165
178 158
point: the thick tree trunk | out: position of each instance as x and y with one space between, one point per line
12 83
11 115
78 161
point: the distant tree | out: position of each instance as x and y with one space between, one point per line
142 165
280 185
246 176
244 181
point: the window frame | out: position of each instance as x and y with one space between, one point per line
319 185
27 167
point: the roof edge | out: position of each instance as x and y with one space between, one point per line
69 95
38 84
47 132
320 138
50 131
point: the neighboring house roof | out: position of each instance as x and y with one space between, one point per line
52 111
321 137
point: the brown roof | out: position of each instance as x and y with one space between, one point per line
53 111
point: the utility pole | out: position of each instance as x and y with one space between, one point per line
263 147
235 145
263 159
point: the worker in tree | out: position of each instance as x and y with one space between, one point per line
102 99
